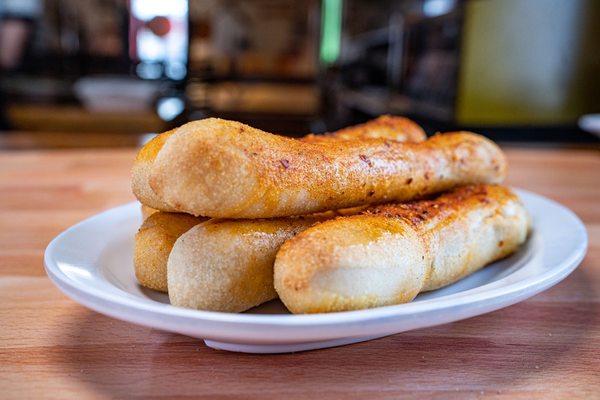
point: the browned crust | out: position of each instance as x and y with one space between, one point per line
390 127
456 234
230 170
445 206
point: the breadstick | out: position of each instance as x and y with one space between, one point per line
227 169
153 243
393 128
391 253
385 126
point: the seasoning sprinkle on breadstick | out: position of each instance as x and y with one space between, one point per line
226 169
391 253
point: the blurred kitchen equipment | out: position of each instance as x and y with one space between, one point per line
158 38
590 123
102 94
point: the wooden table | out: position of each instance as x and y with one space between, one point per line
51 347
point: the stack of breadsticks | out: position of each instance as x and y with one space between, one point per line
367 216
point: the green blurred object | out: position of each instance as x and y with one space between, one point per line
529 62
331 30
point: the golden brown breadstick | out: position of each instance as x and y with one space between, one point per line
393 128
393 252
153 243
227 169
140 173
386 126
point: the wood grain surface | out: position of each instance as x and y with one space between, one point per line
51 347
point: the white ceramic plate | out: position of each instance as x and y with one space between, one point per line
91 262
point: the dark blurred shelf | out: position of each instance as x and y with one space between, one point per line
377 101
72 118
374 102
18 140
555 135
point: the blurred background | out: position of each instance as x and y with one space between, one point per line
106 73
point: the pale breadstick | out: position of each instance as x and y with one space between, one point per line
227 169
393 128
393 252
227 265
153 243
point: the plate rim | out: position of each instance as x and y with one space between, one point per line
541 281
